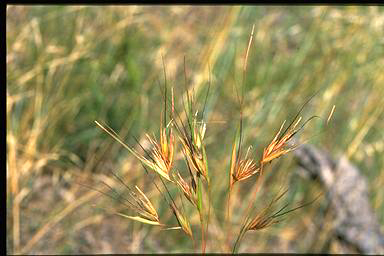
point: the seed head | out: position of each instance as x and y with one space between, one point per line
182 220
194 149
243 169
189 193
146 207
161 160
278 145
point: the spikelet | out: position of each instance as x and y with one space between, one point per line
278 145
242 169
189 193
143 206
194 149
182 220
160 157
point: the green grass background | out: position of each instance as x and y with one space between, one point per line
70 65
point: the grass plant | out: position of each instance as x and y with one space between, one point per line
159 159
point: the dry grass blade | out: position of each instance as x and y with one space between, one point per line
232 164
330 114
140 219
248 48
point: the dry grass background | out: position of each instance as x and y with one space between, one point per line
70 65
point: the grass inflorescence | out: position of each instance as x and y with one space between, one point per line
190 128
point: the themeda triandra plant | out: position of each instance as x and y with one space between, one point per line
186 129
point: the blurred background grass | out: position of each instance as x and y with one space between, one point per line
70 65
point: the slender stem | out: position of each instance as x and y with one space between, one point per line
239 237
247 212
194 244
202 233
228 216
258 184
209 211
200 209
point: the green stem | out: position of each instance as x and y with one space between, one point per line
228 216
202 233
200 209
209 211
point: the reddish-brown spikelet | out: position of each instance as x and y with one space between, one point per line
242 169
277 147
245 169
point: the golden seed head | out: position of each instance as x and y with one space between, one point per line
277 147
245 169
162 154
